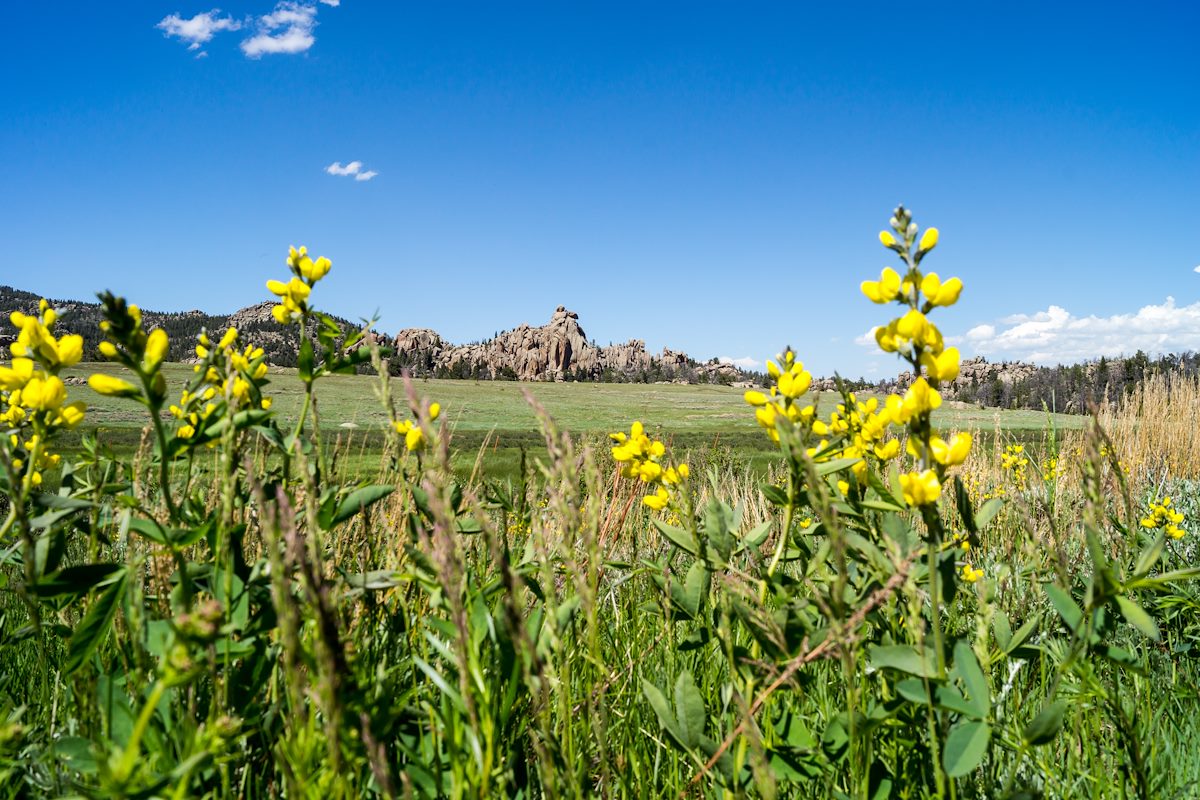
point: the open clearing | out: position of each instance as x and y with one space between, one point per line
702 418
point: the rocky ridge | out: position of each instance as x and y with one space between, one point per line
557 351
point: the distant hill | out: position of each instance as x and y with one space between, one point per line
556 351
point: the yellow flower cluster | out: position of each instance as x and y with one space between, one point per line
789 381
414 436
921 488
970 574
36 340
32 396
293 295
1014 462
912 334
1163 514
231 377
641 457
865 427
33 453
129 344
1051 469
920 342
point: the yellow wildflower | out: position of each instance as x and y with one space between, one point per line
156 349
970 574
942 367
111 386
920 488
883 290
657 501
929 240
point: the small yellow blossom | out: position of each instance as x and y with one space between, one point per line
883 290
929 240
920 488
942 367
156 349
111 386
657 501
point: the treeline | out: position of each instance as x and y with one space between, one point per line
421 365
1075 388
281 343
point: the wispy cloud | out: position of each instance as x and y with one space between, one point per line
745 362
867 339
198 30
354 168
1057 336
333 3
288 29
336 168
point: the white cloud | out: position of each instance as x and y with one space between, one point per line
745 362
197 30
287 29
867 339
1196 268
331 3
1057 336
336 168
354 168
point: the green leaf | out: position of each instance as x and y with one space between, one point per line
885 493
962 500
947 697
468 525
1022 635
966 665
95 624
76 753
965 747
662 709
304 360
1066 607
836 465
904 658
757 535
1136 616
149 529
880 505
689 709
76 581
1163 581
358 500
1002 629
987 512
442 684
691 595
1046 724
1150 555
678 536
774 494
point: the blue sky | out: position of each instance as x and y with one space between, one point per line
708 177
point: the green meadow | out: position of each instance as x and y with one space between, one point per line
708 420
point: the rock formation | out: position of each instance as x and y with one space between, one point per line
559 350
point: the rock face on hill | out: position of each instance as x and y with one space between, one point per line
974 372
556 351
559 350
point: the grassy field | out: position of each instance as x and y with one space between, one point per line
706 420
